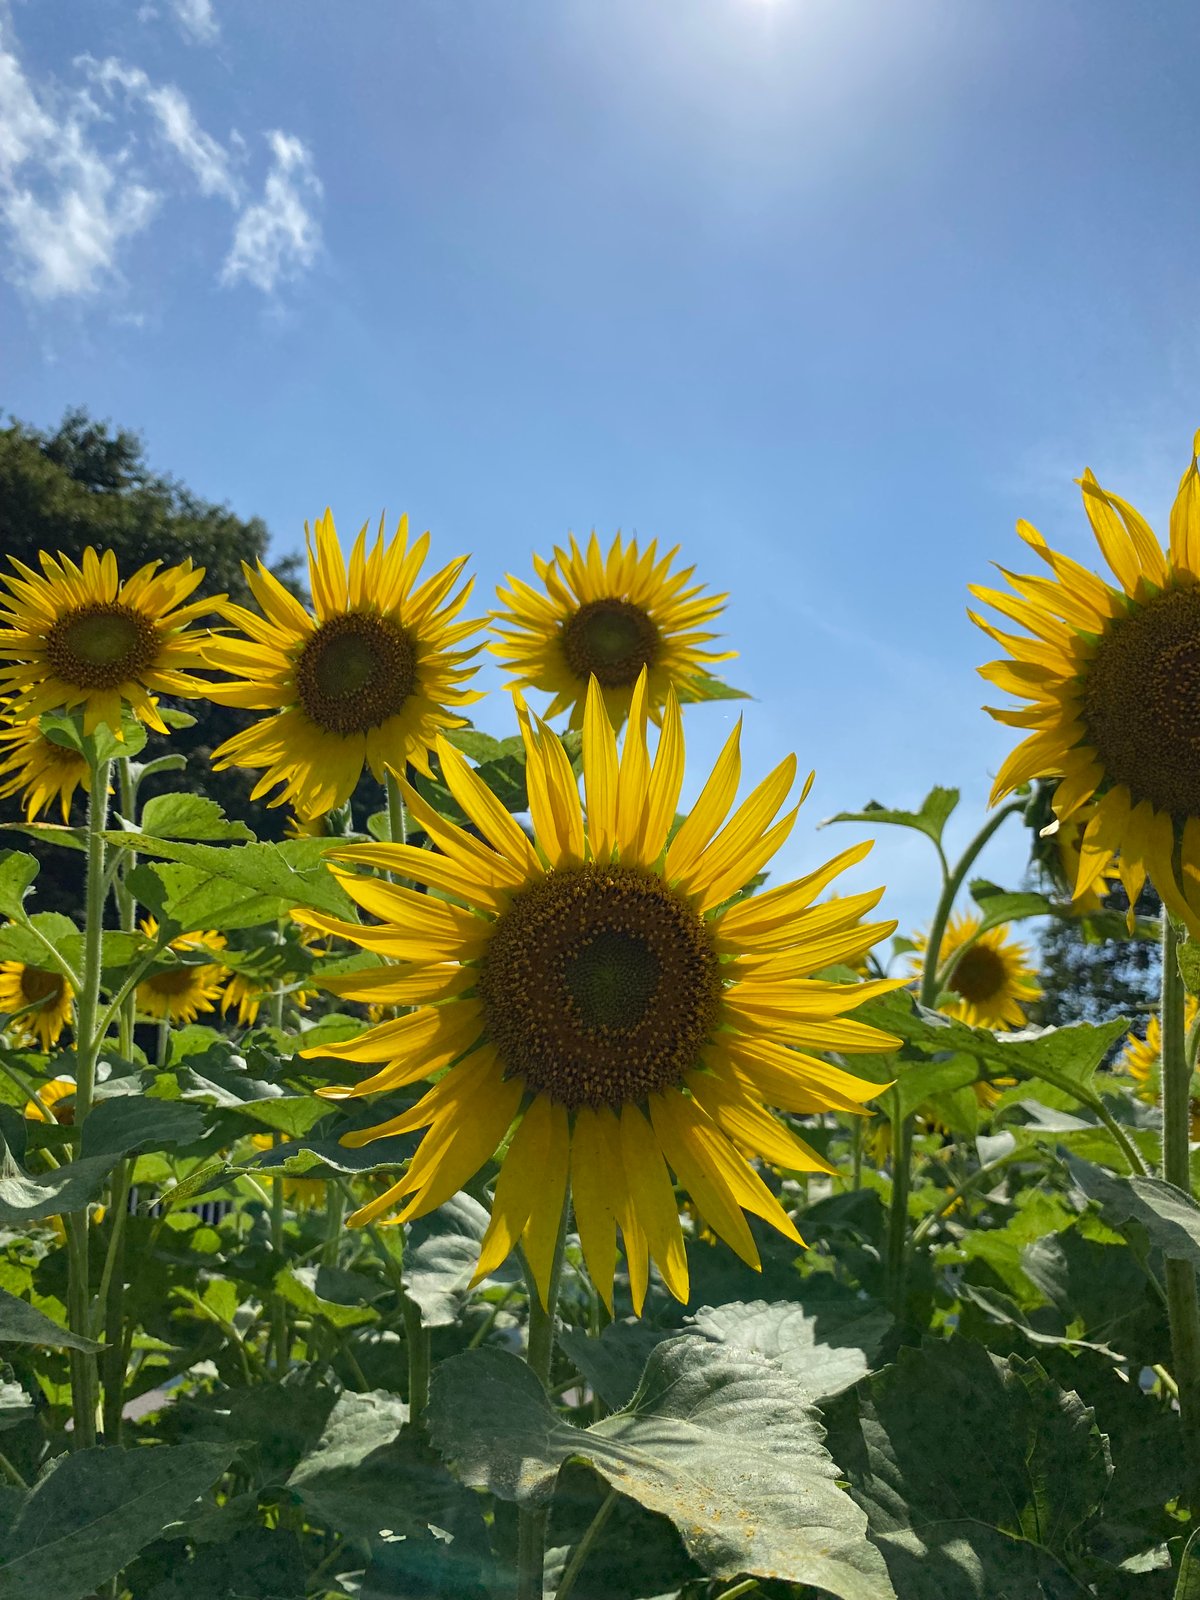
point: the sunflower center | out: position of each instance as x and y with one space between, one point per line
355 672
979 975
174 981
101 646
39 986
599 986
613 639
1141 703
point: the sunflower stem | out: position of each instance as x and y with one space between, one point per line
85 1382
584 1548
126 904
539 1353
1183 1308
397 823
279 1327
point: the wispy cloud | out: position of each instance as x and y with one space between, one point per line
67 205
84 169
278 236
197 20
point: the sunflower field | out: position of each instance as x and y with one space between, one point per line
519 1191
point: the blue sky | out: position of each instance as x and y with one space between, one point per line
829 291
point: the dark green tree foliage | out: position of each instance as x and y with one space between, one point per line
85 484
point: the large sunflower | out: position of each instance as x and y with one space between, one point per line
48 996
79 636
1111 674
992 980
602 990
181 992
373 677
608 617
38 769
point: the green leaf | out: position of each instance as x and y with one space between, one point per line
292 1114
28 940
1188 1586
931 819
823 1360
291 871
1189 970
92 1511
977 1474
17 872
704 686
719 1441
327 1292
25 1199
1170 1218
1000 906
123 1123
21 1323
189 816
613 1362
440 1256
65 728
919 1081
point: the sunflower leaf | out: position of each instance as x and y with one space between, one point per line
25 1199
936 810
1188 1586
1170 1218
17 872
1011 1521
92 1511
127 1122
189 816
719 1440
1000 906
439 1259
21 1323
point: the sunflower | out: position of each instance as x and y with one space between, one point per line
991 980
72 636
1111 672
54 1097
1142 1060
37 768
608 617
180 993
48 996
602 990
372 677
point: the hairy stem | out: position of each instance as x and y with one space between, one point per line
539 1352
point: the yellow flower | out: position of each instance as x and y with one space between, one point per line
588 987
37 768
608 616
79 636
48 993
181 993
1142 1060
372 677
1110 674
299 1192
992 980
53 1096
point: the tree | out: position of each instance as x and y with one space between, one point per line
84 484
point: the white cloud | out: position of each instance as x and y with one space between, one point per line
196 19
206 159
67 205
278 237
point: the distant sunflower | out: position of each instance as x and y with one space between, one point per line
992 980
78 636
372 678
1142 1060
1112 674
589 988
181 993
610 617
303 1193
38 769
58 1098
47 993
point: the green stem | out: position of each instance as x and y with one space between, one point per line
1182 1306
747 1586
88 1038
952 883
279 1327
416 1338
897 1248
539 1353
397 826
112 1298
126 905
583 1549
970 1182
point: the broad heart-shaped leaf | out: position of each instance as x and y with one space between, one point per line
822 1361
293 1114
189 816
21 1323
1170 1218
935 812
999 906
91 1512
1188 1586
36 939
25 1199
719 1441
127 1122
977 1475
17 872
439 1259
291 871
327 1292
